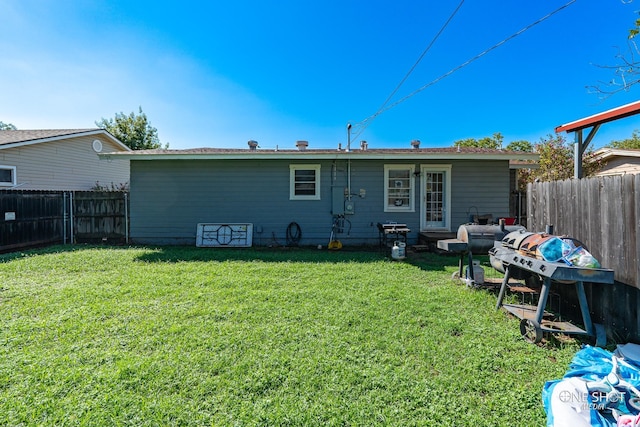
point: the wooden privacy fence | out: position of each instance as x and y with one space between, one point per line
31 218
34 218
604 214
100 215
601 212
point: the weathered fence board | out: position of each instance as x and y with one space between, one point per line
35 218
600 212
99 215
30 218
604 214
634 188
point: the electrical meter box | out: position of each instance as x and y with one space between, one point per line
349 207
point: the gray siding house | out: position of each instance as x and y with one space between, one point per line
430 190
60 159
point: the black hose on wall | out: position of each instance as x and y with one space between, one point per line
294 234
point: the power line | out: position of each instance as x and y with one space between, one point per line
366 122
422 56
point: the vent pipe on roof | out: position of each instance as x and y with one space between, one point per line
415 143
364 145
252 144
302 145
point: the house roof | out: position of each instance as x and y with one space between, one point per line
17 138
609 153
447 153
600 118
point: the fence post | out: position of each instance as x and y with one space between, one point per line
64 217
126 218
71 208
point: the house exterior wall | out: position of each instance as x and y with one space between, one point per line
170 197
620 166
67 164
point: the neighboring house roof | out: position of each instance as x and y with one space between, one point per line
608 153
17 138
446 153
617 161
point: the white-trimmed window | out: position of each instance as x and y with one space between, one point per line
304 182
7 176
399 188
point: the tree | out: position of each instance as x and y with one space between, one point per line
556 157
133 130
491 142
7 126
524 174
523 145
635 30
556 161
627 69
632 143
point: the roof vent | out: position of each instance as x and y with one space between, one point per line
252 144
302 145
415 143
364 145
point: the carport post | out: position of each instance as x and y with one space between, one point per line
577 155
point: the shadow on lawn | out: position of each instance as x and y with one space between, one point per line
358 254
53 249
264 254
430 261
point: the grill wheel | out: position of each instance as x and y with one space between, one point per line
531 331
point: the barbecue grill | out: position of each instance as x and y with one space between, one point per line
475 239
518 256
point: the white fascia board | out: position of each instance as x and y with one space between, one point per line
66 136
321 156
605 153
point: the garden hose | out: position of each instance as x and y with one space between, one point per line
294 234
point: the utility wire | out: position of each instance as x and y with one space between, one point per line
366 122
421 56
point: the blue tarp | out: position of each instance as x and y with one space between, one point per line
584 396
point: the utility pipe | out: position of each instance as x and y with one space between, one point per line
349 162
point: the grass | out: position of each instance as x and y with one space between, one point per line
257 337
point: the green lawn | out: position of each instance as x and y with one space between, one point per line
187 336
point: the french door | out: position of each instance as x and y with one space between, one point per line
435 208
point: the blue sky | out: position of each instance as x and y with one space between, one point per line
216 74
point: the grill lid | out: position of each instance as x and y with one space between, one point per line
514 239
529 246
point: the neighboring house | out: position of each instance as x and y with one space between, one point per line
60 159
430 190
618 162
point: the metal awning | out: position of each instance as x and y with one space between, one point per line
600 118
594 123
